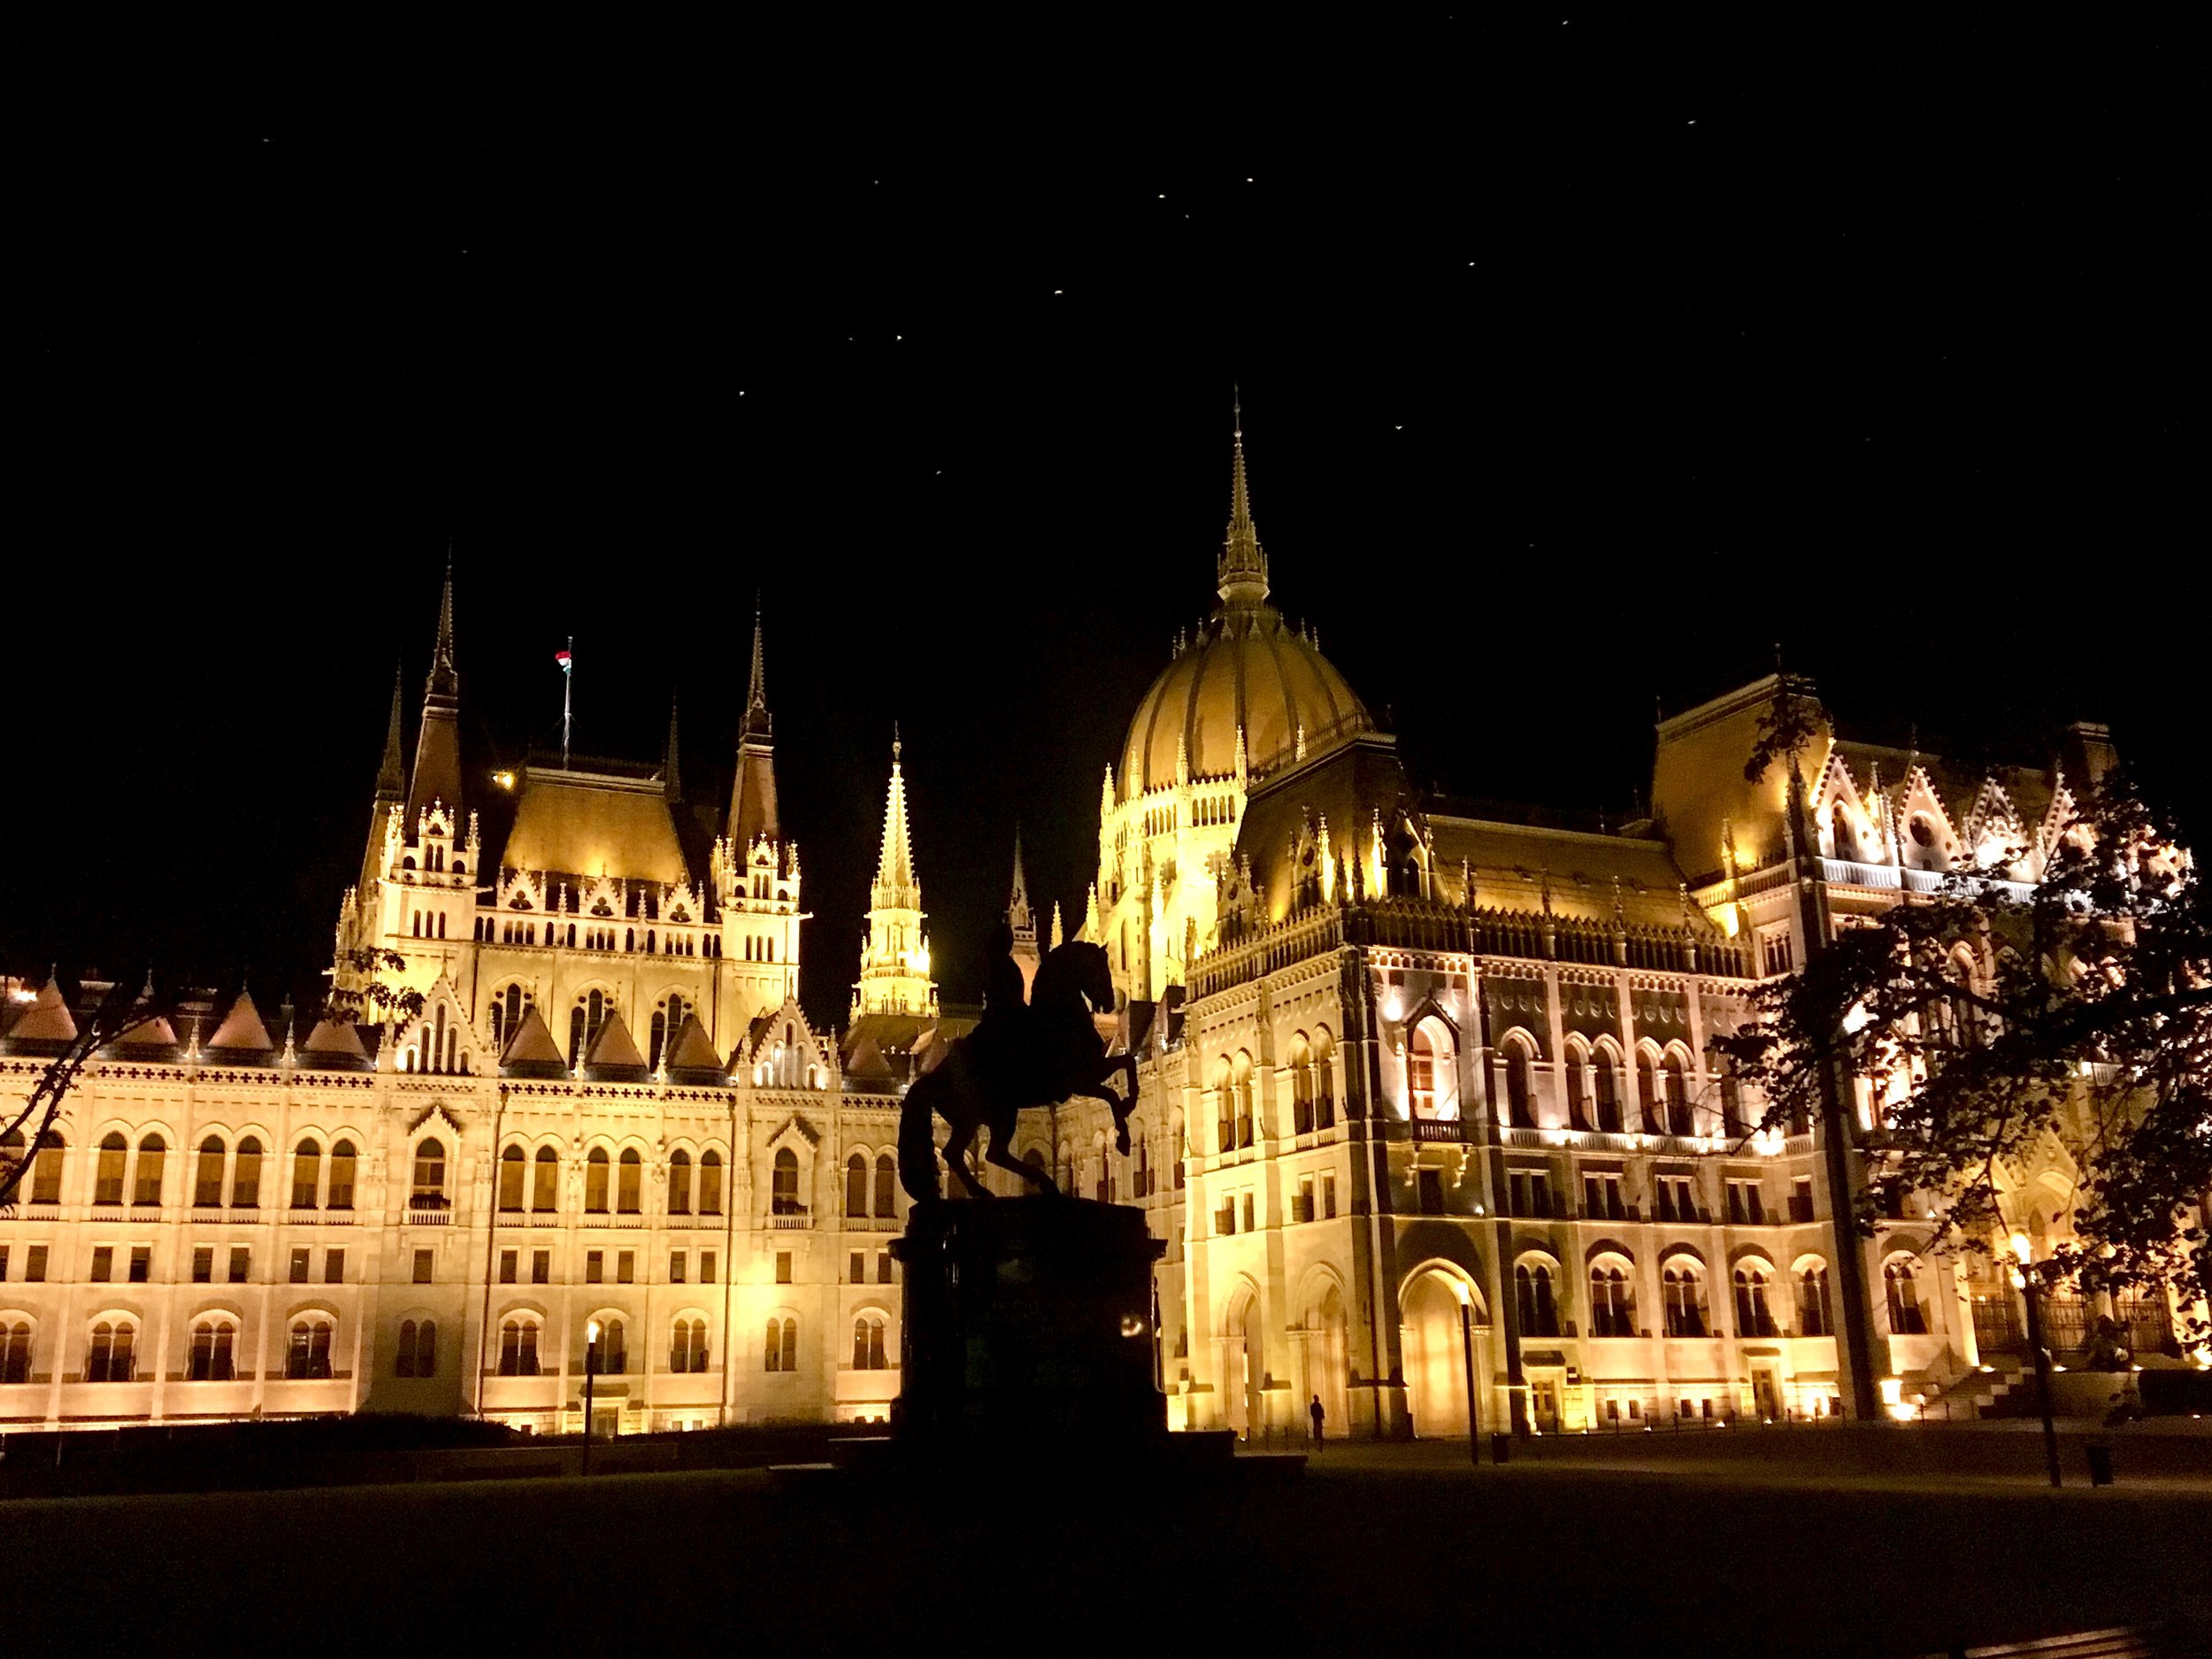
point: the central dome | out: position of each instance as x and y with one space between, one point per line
1247 669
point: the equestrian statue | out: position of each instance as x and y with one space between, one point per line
1020 1054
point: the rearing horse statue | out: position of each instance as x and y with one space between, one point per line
1063 1057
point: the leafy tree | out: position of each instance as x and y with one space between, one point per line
1984 1016
119 1013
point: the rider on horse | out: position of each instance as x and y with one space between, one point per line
1001 1045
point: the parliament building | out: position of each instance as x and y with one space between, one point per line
1417 1084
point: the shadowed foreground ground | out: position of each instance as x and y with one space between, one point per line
1372 1550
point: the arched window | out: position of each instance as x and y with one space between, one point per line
343 1163
1519 1096
783 1349
1840 834
784 1188
629 1182
1812 1301
1675 1083
1605 1085
1532 1300
307 1174
710 1183
1902 1291
1683 1288
1648 1094
307 1357
111 1357
519 1347
1225 1106
668 1020
687 1346
1575 1067
506 1015
1732 1117
1323 1080
207 1176
1612 1300
1301 1064
514 1164
545 1185
614 1358
107 1181
245 1180
11 1151
1421 1067
868 1353
886 1186
153 1156
1241 1086
15 1351
680 1182
429 1185
417 1355
1754 1318
597 1170
584 1021
46 1170
855 1185
213 1355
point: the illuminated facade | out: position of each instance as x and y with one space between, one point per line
611 1107
1397 1059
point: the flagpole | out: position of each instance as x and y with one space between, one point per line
568 678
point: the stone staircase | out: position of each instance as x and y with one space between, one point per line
2007 1391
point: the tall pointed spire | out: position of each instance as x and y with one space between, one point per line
672 774
391 778
1241 574
438 745
894 977
1019 914
753 794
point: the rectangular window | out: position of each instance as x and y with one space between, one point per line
241 1263
706 1267
1225 1218
1678 1198
1776 948
858 1273
1529 1192
1304 1211
1430 1191
1747 1203
102 1264
34 1265
425 1266
1601 1198
3 1263
1802 1198
1247 1212
1328 1198
594 1267
334 1267
299 1267
883 1267
541 1267
508 1262
626 1267
676 1267
783 1267
203 1265
142 1263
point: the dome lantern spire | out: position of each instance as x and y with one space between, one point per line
1242 575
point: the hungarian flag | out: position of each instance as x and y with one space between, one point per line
562 659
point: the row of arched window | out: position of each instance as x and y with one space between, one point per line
112 1347
611 1185
510 930
1310 1063
317 1182
859 1188
1683 1307
1593 1079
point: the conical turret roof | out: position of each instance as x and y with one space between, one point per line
530 1051
693 1052
334 1046
613 1053
242 1030
48 1020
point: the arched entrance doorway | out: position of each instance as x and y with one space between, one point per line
1243 1364
1435 1352
1322 1370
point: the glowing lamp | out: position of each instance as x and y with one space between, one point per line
2022 1248
591 1330
1466 1297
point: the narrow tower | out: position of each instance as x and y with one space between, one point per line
1023 919
438 745
895 961
753 796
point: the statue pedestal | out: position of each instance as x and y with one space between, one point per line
1028 1318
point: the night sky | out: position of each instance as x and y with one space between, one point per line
1581 363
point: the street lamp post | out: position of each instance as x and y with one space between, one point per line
2024 1283
591 1372
1467 1348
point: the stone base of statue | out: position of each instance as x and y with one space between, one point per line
1028 1320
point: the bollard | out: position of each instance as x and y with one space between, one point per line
1501 1448
2099 1465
